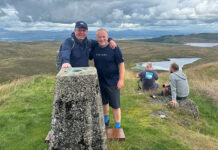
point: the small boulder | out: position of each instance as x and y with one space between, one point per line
188 106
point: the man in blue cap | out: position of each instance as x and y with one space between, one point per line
75 50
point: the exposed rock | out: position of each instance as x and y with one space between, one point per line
184 122
161 114
77 117
187 105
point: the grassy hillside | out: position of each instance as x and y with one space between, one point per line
204 78
25 113
19 60
181 39
26 105
143 51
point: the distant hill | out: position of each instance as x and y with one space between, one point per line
22 59
29 36
191 38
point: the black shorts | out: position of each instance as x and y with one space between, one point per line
111 95
169 90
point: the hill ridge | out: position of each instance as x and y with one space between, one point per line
190 38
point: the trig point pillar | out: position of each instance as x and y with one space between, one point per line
77 117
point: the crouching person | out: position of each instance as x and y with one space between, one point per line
178 87
110 68
148 78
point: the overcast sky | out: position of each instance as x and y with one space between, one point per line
193 15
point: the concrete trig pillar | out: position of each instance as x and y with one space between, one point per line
77 117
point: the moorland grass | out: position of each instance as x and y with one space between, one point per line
25 117
18 60
26 104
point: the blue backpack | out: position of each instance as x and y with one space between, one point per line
59 59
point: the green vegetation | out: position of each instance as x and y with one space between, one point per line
181 39
135 51
26 104
25 116
18 60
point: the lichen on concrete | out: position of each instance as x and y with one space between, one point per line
77 117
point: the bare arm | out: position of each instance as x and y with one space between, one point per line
137 76
120 83
112 44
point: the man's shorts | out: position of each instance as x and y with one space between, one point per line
169 90
111 95
154 87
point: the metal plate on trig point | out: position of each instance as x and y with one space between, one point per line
115 134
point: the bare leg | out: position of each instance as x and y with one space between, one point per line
165 91
117 115
106 109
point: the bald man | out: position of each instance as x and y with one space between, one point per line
75 50
148 78
110 67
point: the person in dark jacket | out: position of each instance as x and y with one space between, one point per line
75 50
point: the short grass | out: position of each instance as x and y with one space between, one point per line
25 116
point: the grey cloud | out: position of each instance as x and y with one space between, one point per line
115 12
68 11
2 13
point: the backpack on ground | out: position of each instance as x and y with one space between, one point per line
59 59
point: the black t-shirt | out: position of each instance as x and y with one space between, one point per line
148 78
106 62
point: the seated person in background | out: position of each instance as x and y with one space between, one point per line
178 87
148 77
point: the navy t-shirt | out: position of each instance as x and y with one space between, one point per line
106 62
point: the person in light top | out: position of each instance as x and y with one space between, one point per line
178 87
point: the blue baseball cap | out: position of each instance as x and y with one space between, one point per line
81 24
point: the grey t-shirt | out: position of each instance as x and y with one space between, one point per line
148 78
